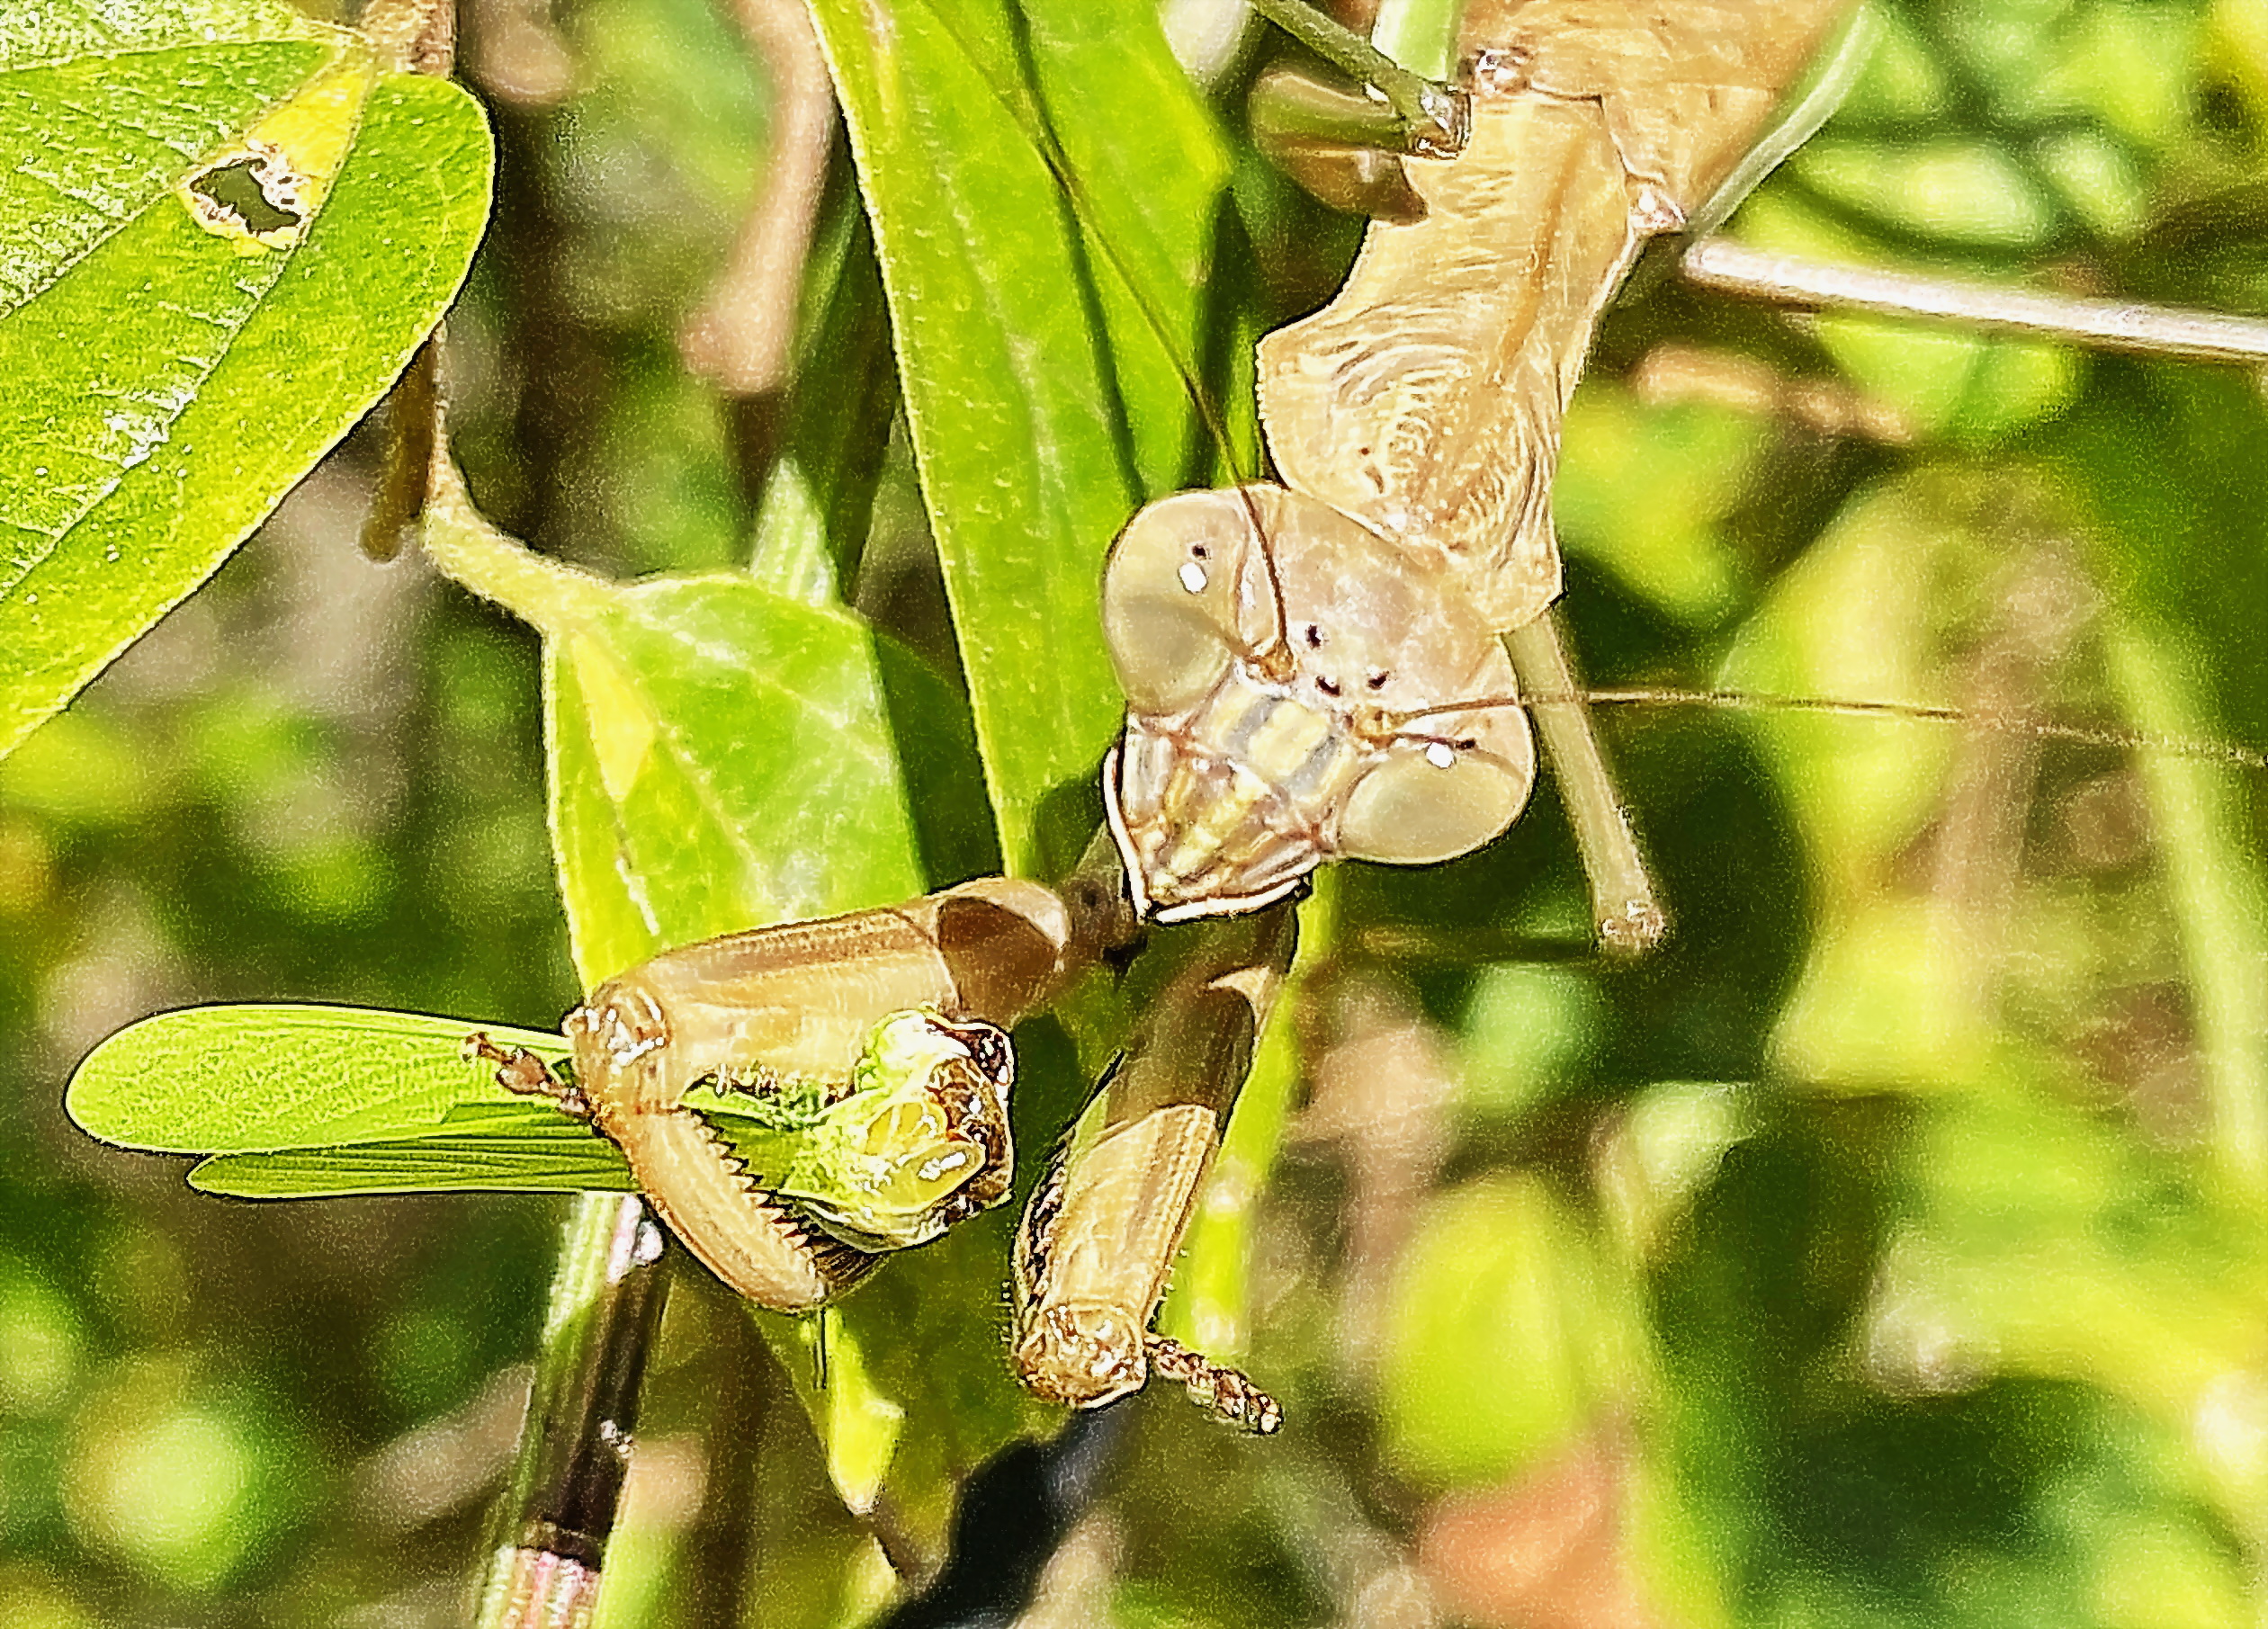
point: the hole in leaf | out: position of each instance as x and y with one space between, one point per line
257 196
234 187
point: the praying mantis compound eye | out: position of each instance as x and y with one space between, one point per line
1434 799
1181 600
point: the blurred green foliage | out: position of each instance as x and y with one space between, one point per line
1889 1249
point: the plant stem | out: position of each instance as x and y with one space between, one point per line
607 1300
475 554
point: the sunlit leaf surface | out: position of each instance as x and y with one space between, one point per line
222 233
722 762
997 279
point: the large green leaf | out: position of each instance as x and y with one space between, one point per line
223 234
1025 356
720 760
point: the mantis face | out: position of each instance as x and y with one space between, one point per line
920 1142
1286 669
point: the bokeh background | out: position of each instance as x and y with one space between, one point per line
1889 1249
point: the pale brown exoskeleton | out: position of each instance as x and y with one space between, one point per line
1100 1232
1415 421
1323 669
811 1002
1273 651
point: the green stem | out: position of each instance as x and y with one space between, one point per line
471 551
606 1303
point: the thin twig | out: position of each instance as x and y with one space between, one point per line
607 1300
743 337
2110 325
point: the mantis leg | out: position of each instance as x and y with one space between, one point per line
799 999
1101 1233
1629 919
2110 325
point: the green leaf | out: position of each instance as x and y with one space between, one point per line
1016 389
223 234
1043 186
720 760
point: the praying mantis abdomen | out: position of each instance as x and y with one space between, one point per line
1425 400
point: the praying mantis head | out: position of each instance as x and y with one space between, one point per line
1274 653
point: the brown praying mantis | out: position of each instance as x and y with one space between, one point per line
1332 667
1319 670
1314 671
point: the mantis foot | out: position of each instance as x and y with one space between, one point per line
520 1071
1222 1391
